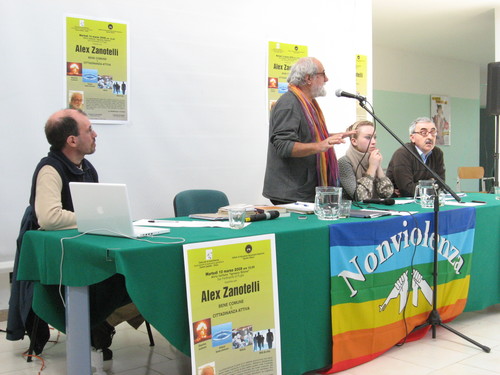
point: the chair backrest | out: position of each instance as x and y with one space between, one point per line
199 201
470 172
475 173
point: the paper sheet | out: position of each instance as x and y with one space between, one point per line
181 224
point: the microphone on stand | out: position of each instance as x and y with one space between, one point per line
269 215
345 94
386 201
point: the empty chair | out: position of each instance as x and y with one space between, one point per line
199 201
474 173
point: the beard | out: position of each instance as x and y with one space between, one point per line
319 91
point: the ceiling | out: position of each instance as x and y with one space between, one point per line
456 29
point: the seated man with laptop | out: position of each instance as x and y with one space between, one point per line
70 134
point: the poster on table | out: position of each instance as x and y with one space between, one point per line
441 115
281 57
233 306
96 62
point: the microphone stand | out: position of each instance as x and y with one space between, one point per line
434 318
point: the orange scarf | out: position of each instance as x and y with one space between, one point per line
327 166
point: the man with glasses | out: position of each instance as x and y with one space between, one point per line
71 138
300 152
404 170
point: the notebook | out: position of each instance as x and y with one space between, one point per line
104 209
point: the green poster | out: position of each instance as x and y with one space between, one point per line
281 58
97 69
233 306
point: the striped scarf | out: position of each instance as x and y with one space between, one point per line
326 162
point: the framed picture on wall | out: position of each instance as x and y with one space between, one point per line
441 115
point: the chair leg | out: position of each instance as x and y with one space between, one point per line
150 334
31 349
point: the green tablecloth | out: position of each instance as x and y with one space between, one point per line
154 276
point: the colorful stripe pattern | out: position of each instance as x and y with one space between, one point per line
382 280
327 166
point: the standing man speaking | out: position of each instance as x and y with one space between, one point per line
300 154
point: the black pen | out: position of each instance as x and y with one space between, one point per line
478 202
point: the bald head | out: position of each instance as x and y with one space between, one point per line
60 126
70 130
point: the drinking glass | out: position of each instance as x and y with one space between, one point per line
237 217
425 193
327 201
345 208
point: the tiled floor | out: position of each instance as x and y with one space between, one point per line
448 354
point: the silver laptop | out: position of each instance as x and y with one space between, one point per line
104 209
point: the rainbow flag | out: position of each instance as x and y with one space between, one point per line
382 280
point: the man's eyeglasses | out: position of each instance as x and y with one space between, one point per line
323 73
425 132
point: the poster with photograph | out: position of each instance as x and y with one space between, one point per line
441 115
233 306
281 57
97 69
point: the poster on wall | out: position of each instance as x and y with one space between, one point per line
233 308
96 63
361 84
281 57
441 115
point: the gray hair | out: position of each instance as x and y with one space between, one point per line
418 120
301 69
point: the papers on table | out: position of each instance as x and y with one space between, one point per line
463 204
181 224
404 200
212 216
300 207
372 213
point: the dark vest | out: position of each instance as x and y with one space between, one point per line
22 291
68 172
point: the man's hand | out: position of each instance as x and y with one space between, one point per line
306 149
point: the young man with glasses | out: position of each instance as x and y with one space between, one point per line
404 170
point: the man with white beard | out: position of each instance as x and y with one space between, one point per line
300 152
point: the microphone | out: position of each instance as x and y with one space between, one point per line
386 201
340 93
269 215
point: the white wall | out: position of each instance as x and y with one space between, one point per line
197 92
405 71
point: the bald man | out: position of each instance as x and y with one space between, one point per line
71 138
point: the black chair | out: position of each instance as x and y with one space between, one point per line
199 201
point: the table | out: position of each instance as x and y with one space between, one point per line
154 276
